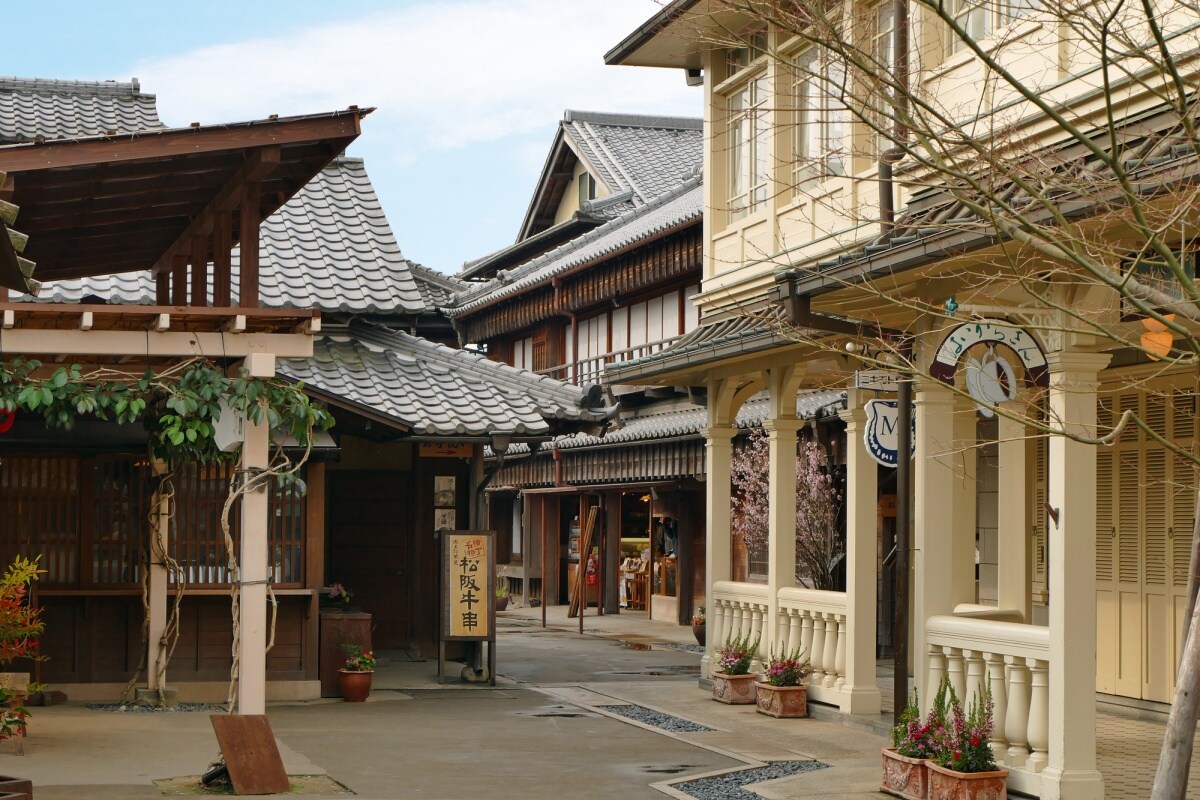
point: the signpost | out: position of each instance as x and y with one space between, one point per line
880 434
468 594
877 380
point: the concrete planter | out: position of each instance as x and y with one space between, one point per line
783 702
735 690
904 777
355 686
946 784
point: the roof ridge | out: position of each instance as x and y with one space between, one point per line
60 86
617 166
633 120
437 275
531 266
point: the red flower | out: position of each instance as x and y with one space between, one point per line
974 741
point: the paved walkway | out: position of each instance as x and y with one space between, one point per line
555 726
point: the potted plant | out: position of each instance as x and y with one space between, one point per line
782 693
963 766
698 621
732 681
356 673
904 763
338 598
501 594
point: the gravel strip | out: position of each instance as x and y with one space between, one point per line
729 786
138 708
656 718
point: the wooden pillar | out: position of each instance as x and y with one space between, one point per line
612 566
157 580
685 583
162 288
222 261
1013 574
862 508
966 449
179 284
198 256
255 526
248 239
1071 577
314 563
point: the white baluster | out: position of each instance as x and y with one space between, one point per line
758 619
829 660
818 651
937 671
995 683
806 634
1016 721
839 658
974 688
720 616
735 625
954 671
1039 713
794 634
782 626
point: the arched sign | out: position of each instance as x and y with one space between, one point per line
993 331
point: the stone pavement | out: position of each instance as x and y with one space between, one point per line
555 726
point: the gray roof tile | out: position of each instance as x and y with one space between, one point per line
685 203
32 107
436 390
330 247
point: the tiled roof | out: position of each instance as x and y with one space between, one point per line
436 390
15 271
691 421
647 155
683 204
32 107
330 247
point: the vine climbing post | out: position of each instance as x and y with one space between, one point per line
252 562
158 575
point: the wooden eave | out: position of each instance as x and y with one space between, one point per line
107 204
556 176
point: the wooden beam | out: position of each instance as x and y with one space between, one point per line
199 259
248 234
86 321
222 260
57 154
179 281
259 165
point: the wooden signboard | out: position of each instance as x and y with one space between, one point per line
468 593
445 450
250 753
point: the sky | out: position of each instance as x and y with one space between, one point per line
468 92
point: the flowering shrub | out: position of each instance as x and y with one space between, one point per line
20 628
788 669
736 656
963 746
357 660
915 738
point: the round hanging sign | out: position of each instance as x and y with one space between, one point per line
994 332
7 418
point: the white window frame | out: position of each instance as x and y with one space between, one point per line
982 18
748 139
820 119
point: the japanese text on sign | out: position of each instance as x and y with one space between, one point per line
470 604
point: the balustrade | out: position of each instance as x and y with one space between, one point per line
1010 660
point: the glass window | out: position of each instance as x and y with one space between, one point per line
748 132
819 117
883 52
981 18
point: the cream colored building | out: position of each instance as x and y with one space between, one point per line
1081 551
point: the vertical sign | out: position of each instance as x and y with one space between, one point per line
468 586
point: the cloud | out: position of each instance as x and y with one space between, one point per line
444 75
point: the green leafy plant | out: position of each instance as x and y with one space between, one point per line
737 655
501 589
357 659
963 744
699 617
21 628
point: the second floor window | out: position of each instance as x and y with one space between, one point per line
819 117
981 18
883 56
749 150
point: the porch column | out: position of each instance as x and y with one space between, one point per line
937 551
781 517
862 509
966 522
157 580
717 490
1012 584
252 560
1071 771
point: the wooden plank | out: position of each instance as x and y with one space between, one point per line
179 285
162 288
314 564
250 753
199 258
223 260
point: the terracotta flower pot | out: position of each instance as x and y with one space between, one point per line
355 686
736 690
784 702
946 784
501 603
698 632
904 777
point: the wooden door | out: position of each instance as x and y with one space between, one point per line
370 530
